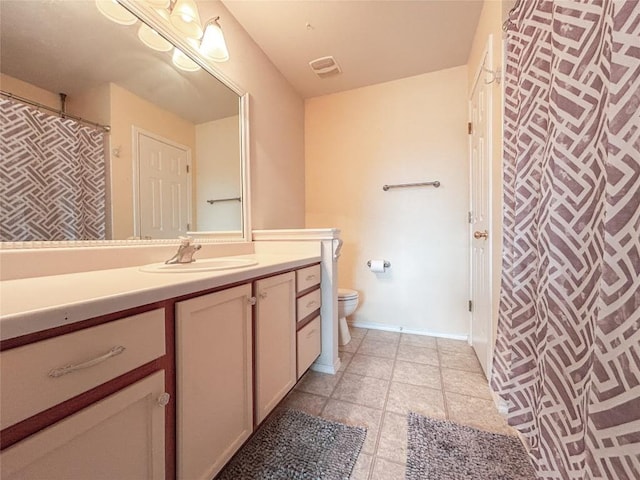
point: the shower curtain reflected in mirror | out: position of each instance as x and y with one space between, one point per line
52 176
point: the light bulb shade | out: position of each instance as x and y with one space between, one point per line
183 62
152 39
213 45
186 19
159 3
116 12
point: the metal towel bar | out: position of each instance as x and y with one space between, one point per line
402 185
232 199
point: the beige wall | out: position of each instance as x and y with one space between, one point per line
490 23
276 125
128 110
218 175
410 130
27 90
93 104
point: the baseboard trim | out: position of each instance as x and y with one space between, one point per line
501 404
398 328
324 368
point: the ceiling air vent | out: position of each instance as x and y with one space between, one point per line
325 67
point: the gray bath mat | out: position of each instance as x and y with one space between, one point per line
293 445
439 450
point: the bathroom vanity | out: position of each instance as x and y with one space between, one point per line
171 375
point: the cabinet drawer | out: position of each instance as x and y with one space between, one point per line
309 304
307 278
308 345
127 426
43 374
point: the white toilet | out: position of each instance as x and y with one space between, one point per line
347 304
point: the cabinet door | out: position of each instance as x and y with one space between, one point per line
214 380
275 334
119 437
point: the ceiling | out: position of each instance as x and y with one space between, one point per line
373 41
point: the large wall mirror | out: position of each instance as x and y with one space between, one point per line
171 160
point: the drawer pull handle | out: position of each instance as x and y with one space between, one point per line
252 300
263 294
311 303
310 277
59 372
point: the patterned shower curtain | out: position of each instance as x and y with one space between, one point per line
52 176
567 359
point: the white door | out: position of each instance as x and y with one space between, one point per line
163 200
479 217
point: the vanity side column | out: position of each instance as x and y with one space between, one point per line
329 361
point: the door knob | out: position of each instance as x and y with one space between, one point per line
480 235
163 399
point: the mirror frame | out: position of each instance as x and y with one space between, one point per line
149 16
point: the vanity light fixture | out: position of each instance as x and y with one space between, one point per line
159 3
212 44
153 39
186 18
116 12
183 62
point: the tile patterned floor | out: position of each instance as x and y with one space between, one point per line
385 375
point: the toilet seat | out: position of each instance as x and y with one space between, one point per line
347 294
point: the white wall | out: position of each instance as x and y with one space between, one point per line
276 124
218 175
409 130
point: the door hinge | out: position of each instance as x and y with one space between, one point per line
470 218
469 128
470 306
188 226
187 168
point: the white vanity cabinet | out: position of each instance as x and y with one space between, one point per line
87 404
275 336
121 436
308 321
214 380
165 390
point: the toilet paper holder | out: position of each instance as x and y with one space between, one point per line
387 264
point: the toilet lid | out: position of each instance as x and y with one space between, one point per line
345 293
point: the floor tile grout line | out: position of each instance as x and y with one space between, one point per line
343 372
445 402
390 380
383 416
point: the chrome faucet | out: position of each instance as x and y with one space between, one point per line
185 251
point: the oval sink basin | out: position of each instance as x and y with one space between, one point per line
200 265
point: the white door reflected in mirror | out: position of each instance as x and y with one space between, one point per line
164 177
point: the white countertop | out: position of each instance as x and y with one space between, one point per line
33 304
